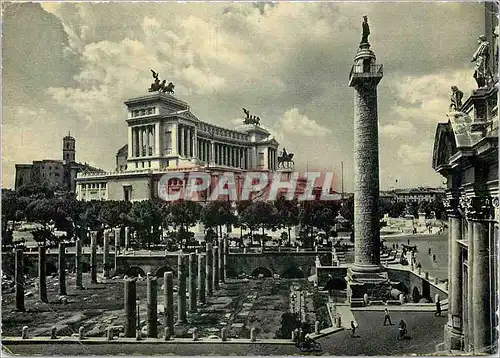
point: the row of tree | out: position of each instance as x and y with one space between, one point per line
149 218
49 208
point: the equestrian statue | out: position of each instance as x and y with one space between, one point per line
285 158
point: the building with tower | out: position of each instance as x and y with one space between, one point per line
61 173
165 136
466 155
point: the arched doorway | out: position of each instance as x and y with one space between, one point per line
335 284
161 271
262 271
293 272
415 295
135 271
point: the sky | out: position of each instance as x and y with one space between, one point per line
68 67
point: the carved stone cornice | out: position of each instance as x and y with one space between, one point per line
452 207
479 207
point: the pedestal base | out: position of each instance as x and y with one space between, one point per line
375 284
453 340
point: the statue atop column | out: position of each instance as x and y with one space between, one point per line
456 98
366 30
481 58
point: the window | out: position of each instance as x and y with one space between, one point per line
57 174
136 165
127 193
142 164
149 164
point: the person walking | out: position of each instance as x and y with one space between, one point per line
387 317
438 309
353 328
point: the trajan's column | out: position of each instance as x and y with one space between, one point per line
366 276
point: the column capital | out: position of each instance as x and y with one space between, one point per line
452 206
479 207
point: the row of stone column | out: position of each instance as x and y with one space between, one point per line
186 141
203 271
231 156
475 316
143 141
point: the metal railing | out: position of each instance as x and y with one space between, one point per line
367 69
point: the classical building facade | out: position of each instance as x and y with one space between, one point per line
59 172
165 136
414 195
466 154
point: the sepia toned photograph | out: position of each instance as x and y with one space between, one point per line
250 178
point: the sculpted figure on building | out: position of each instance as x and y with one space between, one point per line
481 58
250 119
160 86
456 98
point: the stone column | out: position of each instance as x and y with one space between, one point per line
168 290
127 237
42 274
62 269
141 140
366 167
221 260
78 265
147 131
181 139
130 296
215 268
470 285
117 231
131 145
181 296
209 271
201 278
455 281
152 307
93 257
482 312
225 256
105 255
211 152
19 280
192 283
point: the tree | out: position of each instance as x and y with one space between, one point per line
259 214
113 212
397 209
184 214
146 218
10 205
216 214
42 189
43 212
288 214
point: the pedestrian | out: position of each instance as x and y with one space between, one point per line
353 327
429 250
387 317
434 257
438 309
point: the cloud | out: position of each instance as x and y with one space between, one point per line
286 62
397 129
293 122
415 154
